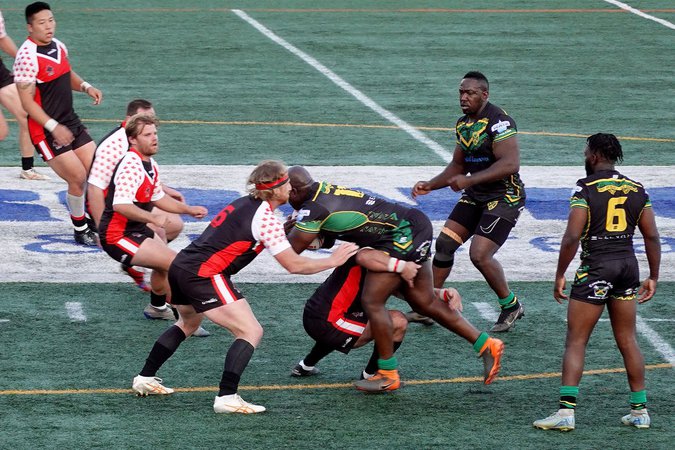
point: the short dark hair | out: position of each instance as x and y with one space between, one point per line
475 75
606 145
35 8
136 123
135 105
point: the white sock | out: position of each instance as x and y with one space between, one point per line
75 205
302 364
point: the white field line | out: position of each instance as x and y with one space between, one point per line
637 12
657 342
486 310
360 96
4 320
646 320
75 312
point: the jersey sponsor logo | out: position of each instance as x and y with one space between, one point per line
500 126
209 301
301 214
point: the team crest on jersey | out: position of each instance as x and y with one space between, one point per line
50 71
424 250
491 205
601 289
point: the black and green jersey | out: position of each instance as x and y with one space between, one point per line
475 138
614 204
352 216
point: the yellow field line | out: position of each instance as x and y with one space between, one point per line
353 125
296 387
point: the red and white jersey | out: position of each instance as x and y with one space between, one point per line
48 67
108 154
134 182
3 32
234 238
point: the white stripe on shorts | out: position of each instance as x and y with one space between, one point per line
350 327
128 245
46 151
223 289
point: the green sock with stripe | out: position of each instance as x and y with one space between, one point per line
568 397
508 301
638 400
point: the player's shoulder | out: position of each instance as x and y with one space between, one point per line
28 49
498 118
60 44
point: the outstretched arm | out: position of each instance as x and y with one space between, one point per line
295 263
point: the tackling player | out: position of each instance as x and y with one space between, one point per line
404 234
201 282
335 318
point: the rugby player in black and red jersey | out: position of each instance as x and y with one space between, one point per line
201 284
335 318
45 80
484 168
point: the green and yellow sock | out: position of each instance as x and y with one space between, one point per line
508 301
638 400
568 397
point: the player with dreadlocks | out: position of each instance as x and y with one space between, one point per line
606 207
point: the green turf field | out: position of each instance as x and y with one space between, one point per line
87 367
228 94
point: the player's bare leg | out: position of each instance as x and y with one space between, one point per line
377 289
423 300
482 254
581 319
9 98
622 315
154 254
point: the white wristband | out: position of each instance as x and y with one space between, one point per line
51 125
84 86
395 265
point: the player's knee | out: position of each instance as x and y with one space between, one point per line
480 257
399 323
446 246
254 334
174 227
